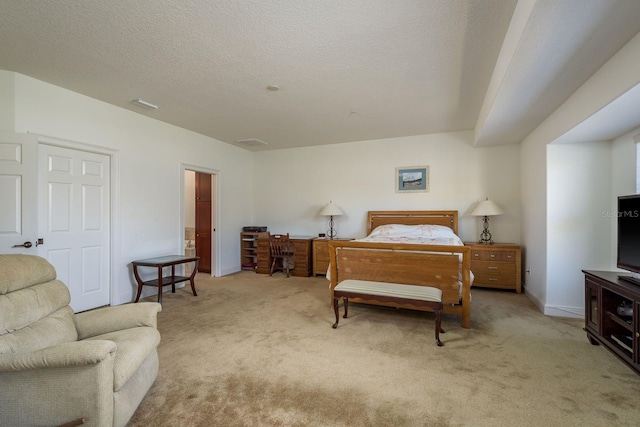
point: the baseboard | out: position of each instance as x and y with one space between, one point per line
564 311
555 310
227 271
534 299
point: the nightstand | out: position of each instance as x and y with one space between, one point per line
321 254
496 265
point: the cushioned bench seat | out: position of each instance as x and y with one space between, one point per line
421 296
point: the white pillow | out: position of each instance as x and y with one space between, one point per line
428 231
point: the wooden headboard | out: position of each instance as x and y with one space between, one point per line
446 218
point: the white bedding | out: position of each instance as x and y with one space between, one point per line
421 234
427 234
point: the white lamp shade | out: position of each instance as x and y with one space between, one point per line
330 209
487 208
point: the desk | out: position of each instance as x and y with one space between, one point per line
301 256
160 263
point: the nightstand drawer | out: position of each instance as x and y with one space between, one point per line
493 255
494 280
493 267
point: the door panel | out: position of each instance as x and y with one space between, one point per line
74 220
91 269
203 221
11 193
59 201
18 192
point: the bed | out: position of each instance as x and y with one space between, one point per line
431 254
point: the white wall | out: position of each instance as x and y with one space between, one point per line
7 99
292 185
150 154
578 214
619 75
533 167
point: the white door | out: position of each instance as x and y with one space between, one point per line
18 193
74 221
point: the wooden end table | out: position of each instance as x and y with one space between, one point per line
160 263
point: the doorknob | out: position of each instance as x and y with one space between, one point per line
24 245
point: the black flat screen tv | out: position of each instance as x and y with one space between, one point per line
629 236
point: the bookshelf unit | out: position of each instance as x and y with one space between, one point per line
618 332
249 249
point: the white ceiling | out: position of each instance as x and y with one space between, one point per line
348 70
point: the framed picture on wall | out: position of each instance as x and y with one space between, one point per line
412 179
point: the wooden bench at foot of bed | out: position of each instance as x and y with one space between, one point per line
419 296
447 268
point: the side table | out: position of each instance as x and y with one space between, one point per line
160 263
321 254
496 265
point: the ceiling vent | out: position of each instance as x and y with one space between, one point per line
253 142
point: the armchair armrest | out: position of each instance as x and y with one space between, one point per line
76 353
50 386
109 319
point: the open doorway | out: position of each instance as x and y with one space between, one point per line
199 217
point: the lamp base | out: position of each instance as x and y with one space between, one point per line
331 233
485 237
488 241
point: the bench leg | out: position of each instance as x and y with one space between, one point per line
439 326
335 310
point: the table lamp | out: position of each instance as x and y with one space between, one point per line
486 208
331 210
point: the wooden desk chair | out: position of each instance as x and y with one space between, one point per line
282 250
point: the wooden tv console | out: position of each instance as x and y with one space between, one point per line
618 333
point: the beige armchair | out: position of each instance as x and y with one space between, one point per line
57 366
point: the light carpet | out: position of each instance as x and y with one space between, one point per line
254 350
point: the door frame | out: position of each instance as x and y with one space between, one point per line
114 167
215 212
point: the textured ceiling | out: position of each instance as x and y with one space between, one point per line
348 70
